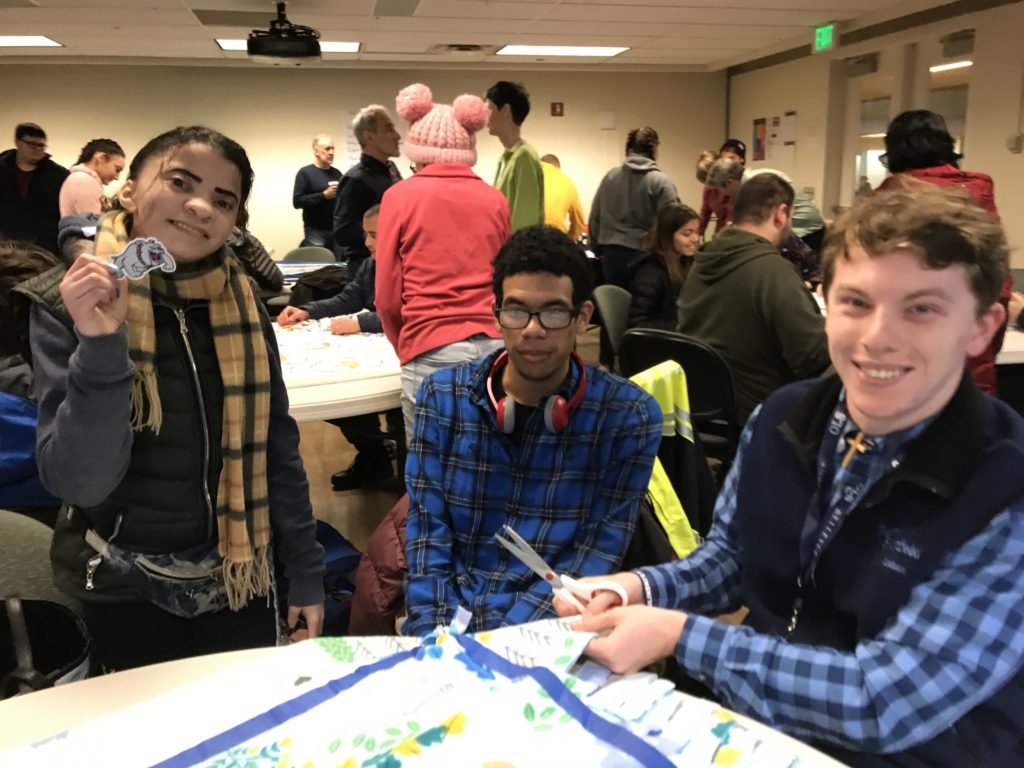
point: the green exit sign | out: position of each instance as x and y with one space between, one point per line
825 38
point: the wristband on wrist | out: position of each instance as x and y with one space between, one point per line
646 586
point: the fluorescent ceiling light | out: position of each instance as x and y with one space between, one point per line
559 50
872 135
952 65
231 45
325 46
336 47
28 41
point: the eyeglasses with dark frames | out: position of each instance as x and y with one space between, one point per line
550 319
34 144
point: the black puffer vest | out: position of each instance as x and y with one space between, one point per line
166 499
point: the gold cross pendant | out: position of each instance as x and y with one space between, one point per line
858 444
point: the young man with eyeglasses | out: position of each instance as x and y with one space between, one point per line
528 436
30 183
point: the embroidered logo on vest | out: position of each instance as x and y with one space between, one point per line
898 553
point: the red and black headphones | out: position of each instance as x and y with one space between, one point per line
557 409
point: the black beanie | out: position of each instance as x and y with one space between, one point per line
735 145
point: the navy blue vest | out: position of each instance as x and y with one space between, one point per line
964 469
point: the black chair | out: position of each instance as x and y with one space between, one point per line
708 380
613 306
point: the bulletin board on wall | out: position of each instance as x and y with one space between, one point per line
774 139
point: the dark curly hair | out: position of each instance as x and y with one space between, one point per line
543 249
918 139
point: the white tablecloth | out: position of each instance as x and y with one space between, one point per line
331 376
144 716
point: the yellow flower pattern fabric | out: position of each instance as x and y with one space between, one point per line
513 697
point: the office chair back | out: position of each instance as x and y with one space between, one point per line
708 377
311 254
613 304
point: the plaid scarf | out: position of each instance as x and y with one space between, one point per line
243 516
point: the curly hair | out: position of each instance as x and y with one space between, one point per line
918 139
945 226
541 248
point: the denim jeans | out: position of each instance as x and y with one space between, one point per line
417 369
322 237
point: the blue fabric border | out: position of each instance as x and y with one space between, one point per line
280 714
604 730
610 733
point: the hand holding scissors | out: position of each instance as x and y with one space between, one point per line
564 587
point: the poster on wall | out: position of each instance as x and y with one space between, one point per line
789 129
349 154
760 137
774 141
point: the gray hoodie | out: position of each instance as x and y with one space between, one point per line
628 201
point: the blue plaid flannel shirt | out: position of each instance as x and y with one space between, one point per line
573 496
958 640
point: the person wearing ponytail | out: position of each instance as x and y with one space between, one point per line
163 423
437 235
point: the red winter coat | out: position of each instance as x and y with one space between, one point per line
379 593
981 188
438 233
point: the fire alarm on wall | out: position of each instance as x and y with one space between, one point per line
556 109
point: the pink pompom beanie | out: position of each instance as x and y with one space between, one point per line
439 133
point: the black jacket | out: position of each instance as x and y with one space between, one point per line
362 187
358 295
149 492
654 301
33 219
255 260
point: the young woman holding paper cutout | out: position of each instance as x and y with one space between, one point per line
164 427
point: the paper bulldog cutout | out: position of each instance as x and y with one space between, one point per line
140 257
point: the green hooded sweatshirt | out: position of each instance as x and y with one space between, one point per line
745 300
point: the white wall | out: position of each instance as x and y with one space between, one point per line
993 103
274 114
994 99
797 85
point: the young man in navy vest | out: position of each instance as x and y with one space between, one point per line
873 522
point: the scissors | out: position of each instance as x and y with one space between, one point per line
565 587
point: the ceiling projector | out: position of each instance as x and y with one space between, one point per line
283 42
